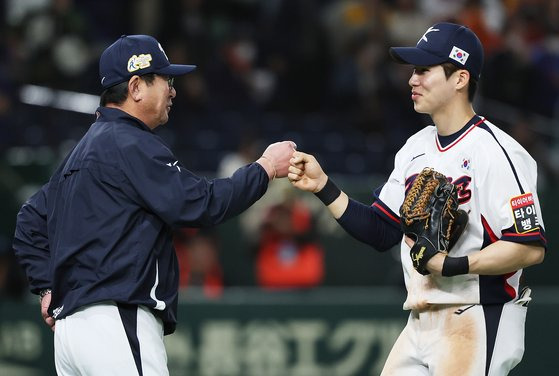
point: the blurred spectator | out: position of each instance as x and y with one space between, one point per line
248 148
545 59
474 16
199 264
513 77
57 50
404 22
440 10
289 255
523 131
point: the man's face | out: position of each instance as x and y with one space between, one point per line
158 101
431 91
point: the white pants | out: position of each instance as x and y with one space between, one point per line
106 339
459 341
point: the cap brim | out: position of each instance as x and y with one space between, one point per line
176 70
414 56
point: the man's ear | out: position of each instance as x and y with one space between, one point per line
134 88
462 79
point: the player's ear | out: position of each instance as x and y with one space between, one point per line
463 77
134 88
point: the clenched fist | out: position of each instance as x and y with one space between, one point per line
306 173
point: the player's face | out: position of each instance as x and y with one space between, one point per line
158 101
431 91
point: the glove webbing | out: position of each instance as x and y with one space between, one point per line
424 190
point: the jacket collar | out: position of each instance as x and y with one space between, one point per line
111 114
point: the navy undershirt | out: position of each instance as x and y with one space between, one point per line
444 141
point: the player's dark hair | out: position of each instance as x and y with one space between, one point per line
117 94
450 68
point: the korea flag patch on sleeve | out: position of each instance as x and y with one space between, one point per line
524 213
459 55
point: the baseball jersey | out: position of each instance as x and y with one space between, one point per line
497 181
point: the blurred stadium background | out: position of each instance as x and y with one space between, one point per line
281 290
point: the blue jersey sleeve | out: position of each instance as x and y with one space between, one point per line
181 198
31 244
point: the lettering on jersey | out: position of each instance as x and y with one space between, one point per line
463 184
464 192
524 213
409 182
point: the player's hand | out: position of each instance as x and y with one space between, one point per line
45 303
275 158
435 264
306 173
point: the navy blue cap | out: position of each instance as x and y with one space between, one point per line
136 55
441 43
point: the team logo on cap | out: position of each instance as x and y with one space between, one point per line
139 62
459 55
424 37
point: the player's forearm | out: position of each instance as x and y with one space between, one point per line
498 258
504 257
339 205
332 196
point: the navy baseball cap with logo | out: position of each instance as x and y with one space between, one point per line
136 55
441 43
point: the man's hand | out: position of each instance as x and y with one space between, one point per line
45 303
275 158
306 173
435 263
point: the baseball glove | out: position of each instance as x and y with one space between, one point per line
430 216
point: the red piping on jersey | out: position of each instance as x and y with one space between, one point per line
508 288
537 233
490 232
442 150
386 212
528 234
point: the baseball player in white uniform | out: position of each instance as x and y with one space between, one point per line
467 316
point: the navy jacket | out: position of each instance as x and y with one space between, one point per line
101 228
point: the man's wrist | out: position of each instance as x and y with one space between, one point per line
455 266
268 165
43 293
329 193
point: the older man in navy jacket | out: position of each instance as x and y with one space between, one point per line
95 241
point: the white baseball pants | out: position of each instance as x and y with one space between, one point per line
109 339
470 340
